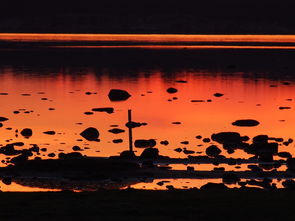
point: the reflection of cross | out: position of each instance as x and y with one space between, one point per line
130 132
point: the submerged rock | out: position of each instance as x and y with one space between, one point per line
90 134
141 143
118 95
245 123
27 132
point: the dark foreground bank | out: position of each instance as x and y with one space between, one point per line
149 205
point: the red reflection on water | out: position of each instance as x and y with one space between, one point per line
149 102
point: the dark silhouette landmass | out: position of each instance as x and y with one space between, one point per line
195 17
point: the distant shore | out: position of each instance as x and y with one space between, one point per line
148 23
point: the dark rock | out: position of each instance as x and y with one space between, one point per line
181 81
289 184
127 155
284 108
133 124
18 144
118 95
206 140
73 155
118 141
265 157
3 119
291 164
16 112
170 187
199 137
260 148
245 123
230 178
43 149
178 150
90 134
150 153
50 132
214 186
176 122
145 143
227 137
190 168
35 148
284 155
185 151
76 148
88 113
219 169
171 90
27 132
9 150
184 142
164 142
6 180
218 95
254 168
197 101
108 110
20 159
116 131
260 139
213 151
51 155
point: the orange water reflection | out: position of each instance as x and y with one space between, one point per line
64 90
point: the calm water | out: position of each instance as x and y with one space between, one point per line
55 97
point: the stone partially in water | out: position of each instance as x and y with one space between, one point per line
118 95
3 119
6 180
245 123
218 94
118 141
141 143
90 134
76 148
27 132
213 151
214 186
73 155
171 90
284 155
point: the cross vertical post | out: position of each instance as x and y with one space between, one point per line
130 132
